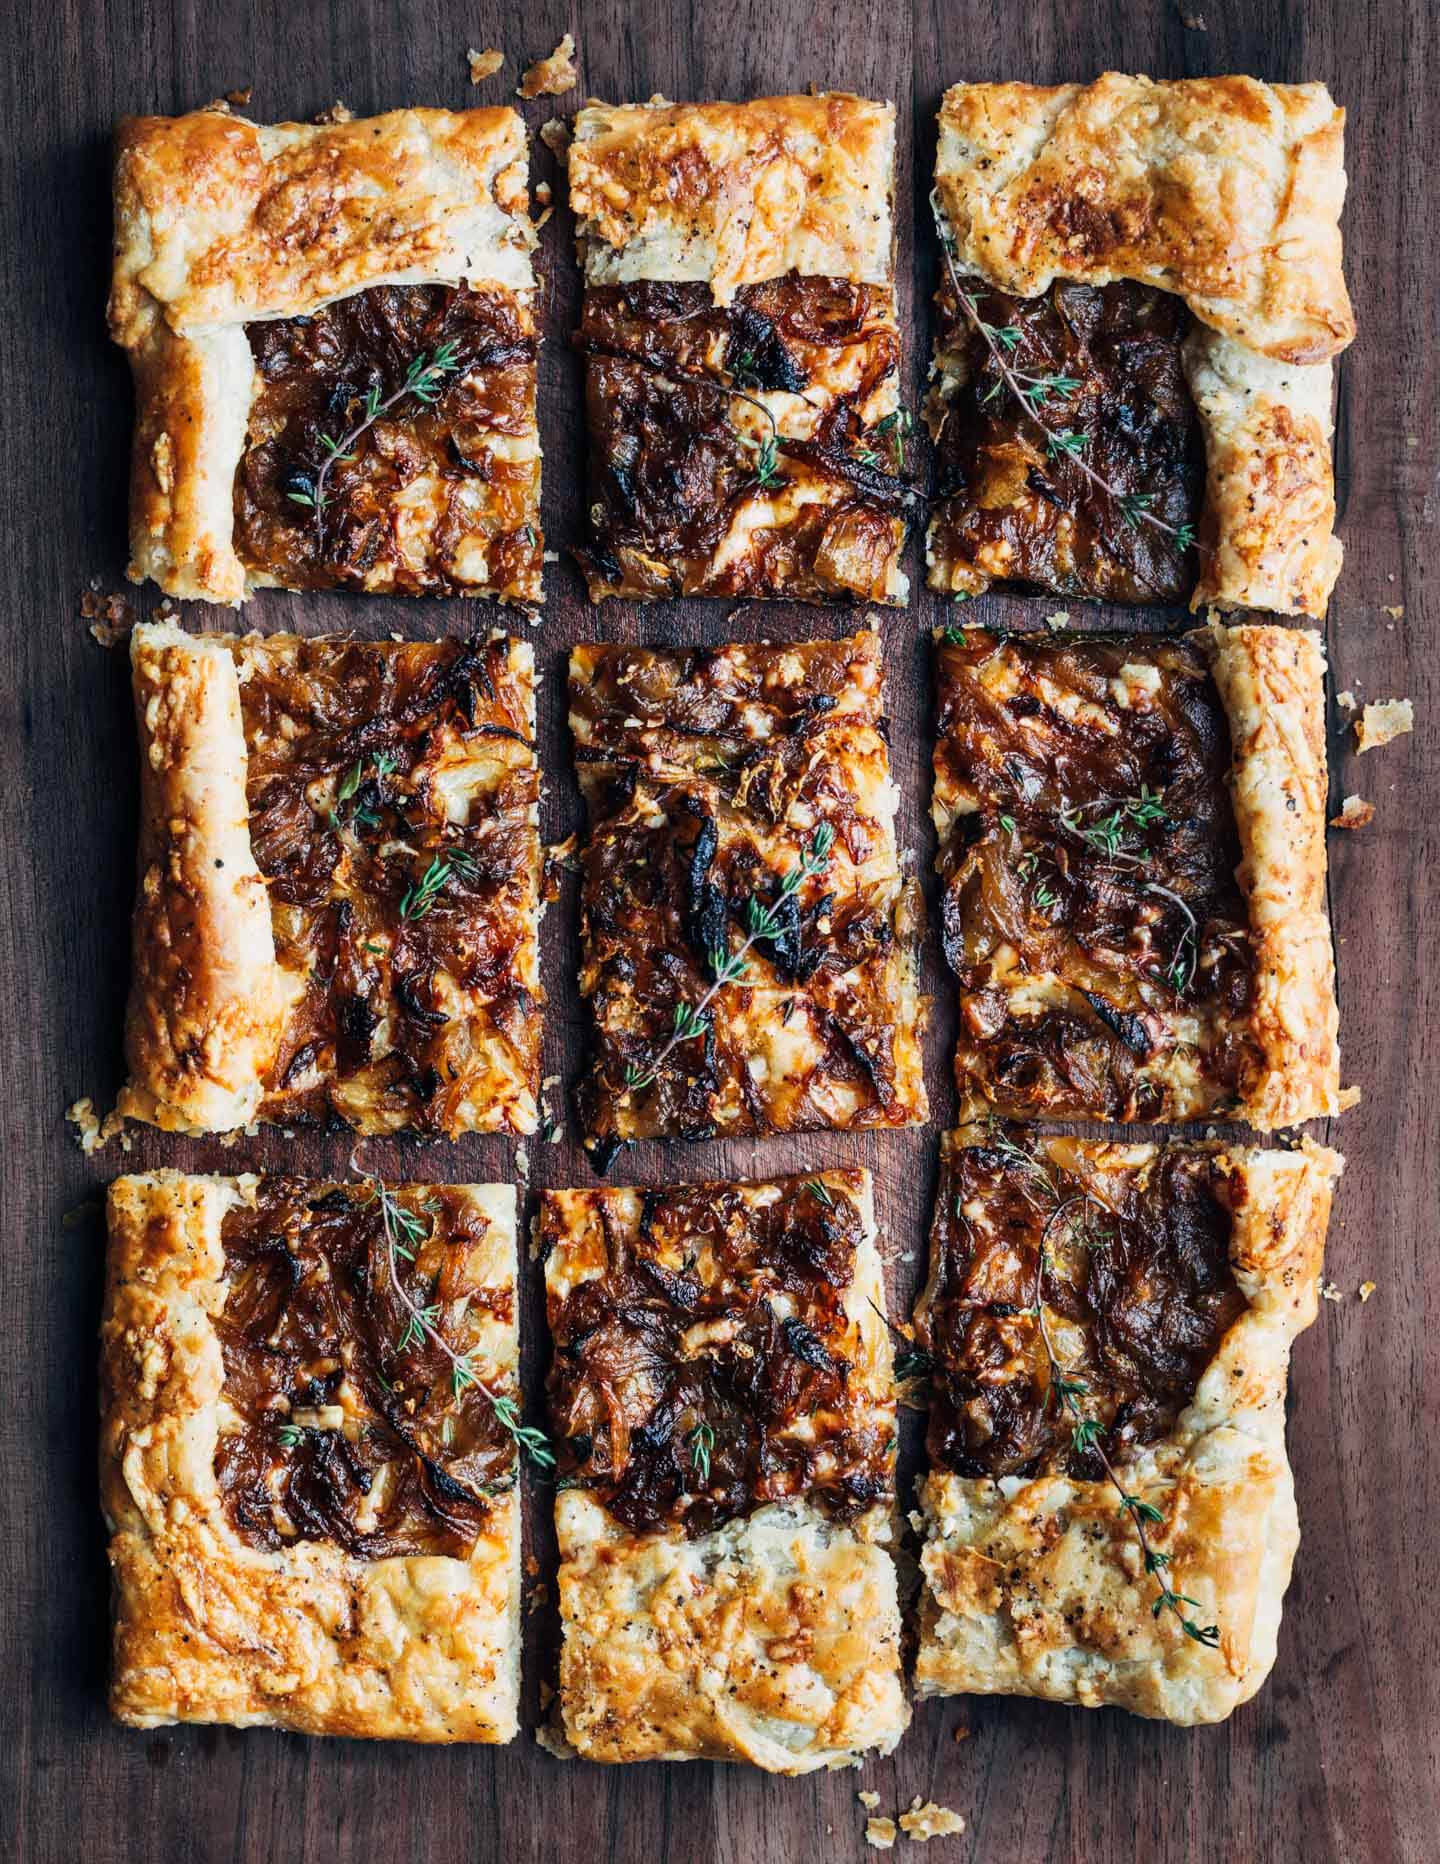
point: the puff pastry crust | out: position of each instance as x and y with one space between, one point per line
742 349
733 1600
1224 191
1136 911
304 1634
338 894
223 226
711 776
1034 1582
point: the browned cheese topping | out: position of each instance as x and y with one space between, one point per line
1136 1290
704 1361
691 490
391 792
1088 850
436 496
1099 363
713 777
340 1421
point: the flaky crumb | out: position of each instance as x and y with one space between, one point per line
868 1800
1058 620
483 64
1329 1292
880 1833
1355 812
553 1742
337 113
1350 1097
1397 612
962 1733
556 137
552 76
1379 724
542 193
111 617
91 1131
1194 22
1365 1290
1346 700
930 1821
239 98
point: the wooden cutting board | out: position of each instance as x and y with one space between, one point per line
1337 1757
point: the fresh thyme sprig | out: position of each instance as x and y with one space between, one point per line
422 380
405 1231
1086 1434
1068 442
349 785
419 898
701 1442
727 967
1107 836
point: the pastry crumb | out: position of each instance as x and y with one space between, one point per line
542 193
1365 1290
1378 724
90 1130
483 64
880 1833
1355 812
1350 1097
556 137
239 97
111 617
923 1822
1194 22
1058 620
1329 1292
1346 700
868 1800
1396 612
550 77
547 1695
962 1733
337 113
553 1742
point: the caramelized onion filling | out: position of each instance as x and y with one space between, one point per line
1101 368
708 1367
438 495
1136 1289
340 1421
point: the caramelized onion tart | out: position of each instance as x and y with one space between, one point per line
1132 846
332 333
1140 299
720 1388
749 940
1109 1516
335 923
314 1522
741 349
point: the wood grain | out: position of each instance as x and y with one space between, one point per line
1337 1758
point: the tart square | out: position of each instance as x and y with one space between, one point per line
1140 299
1132 851
332 333
313 1514
722 1400
742 351
1109 1516
749 939
338 896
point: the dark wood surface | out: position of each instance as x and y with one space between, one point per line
1338 1756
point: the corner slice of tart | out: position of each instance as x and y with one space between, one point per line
1132 851
724 1417
749 938
1109 1517
306 1468
1140 299
741 349
332 333
338 894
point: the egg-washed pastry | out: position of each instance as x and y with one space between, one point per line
306 1467
749 941
338 887
742 354
1109 1516
724 1417
332 334
1132 846
1140 299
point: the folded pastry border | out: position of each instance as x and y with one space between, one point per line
1227 191
1036 1586
307 1637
